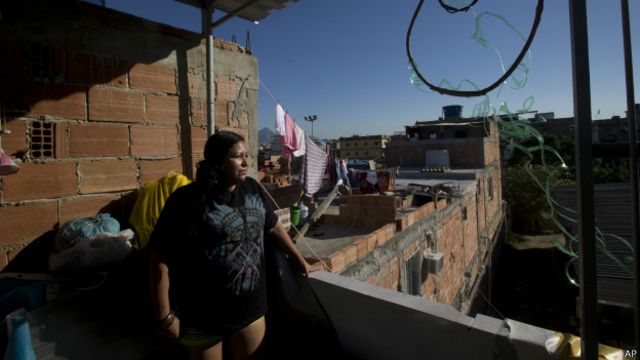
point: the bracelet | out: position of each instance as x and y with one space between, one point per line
167 321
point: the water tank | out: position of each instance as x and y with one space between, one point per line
452 111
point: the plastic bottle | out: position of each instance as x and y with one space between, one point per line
304 211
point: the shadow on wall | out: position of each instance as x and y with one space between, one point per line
35 256
78 61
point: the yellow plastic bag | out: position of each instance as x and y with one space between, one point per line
150 202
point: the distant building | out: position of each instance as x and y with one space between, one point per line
464 143
370 147
606 131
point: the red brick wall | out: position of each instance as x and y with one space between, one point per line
451 233
118 116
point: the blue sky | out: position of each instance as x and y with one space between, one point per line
345 61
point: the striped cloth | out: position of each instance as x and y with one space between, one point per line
313 167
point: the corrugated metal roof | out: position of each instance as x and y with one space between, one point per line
255 12
613 216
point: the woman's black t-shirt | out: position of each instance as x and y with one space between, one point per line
216 258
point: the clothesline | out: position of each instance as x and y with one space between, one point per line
275 101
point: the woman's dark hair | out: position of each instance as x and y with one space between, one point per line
210 176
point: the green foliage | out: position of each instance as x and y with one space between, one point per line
604 170
610 171
526 198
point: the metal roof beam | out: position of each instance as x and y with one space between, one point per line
233 13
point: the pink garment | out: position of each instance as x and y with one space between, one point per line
290 142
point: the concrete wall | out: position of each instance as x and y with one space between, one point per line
99 103
375 323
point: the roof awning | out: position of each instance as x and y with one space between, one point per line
252 10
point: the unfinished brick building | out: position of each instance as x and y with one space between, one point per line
99 103
395 243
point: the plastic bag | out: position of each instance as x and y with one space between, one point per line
75 231
102 250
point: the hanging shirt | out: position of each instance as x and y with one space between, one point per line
301 142
280 122
216 258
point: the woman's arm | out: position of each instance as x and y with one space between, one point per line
169 324
284 240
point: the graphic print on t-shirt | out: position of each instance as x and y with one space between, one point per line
240 250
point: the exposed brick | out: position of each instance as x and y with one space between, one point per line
385 233
112 72
195 159
109 104
61 142
98 140
369 201
163 109
350 254
154 77
345 210
336 261
362 247
151 170
72 209
107 175
385 201
372 241
150 141
353 200
41 181
219 43
222 114
199 137
15 143
91 70
79 67
22 224
56 100
226 89
196 85
197 109
4 261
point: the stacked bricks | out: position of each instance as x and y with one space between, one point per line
418 214
117 122
369 211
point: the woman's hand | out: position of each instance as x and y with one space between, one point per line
171 332
308 268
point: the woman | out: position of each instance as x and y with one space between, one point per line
208 256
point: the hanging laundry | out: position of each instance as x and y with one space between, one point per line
313 167
330 169
344 173
300 136
289 141
372 177
280 120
